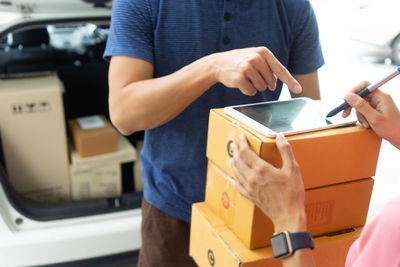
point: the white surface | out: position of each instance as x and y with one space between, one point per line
377 23
346 66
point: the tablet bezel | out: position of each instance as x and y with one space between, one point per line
230 110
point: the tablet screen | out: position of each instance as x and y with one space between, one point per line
295 115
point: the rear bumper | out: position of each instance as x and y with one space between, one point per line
74 239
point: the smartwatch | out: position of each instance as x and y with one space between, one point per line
284 244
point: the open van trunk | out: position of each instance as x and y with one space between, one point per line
84 75
38 46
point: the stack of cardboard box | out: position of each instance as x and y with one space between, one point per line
336 166
34 144
97 154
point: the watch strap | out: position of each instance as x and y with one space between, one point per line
301 240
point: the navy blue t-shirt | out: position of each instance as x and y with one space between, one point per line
170 34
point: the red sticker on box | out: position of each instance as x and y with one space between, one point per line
225 200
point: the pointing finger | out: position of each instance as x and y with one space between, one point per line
280 71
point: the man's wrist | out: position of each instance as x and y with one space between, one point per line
296 222
211 68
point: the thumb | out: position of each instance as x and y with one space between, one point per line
285 149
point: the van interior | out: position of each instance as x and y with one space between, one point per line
74 52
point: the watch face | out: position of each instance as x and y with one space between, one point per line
279 245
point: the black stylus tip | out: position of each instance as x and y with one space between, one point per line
337 109
331 113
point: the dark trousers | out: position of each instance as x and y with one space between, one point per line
165 239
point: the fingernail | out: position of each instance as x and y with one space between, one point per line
281 138
241 137
297 89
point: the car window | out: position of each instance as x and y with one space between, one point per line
76 38
47 48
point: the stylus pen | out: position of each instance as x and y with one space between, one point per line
365 91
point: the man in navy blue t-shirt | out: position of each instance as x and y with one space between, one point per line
170 63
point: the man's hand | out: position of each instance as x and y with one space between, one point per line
278 192
378 111
251 70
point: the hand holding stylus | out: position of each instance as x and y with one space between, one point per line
377 111
365 91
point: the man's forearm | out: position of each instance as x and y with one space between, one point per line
149 103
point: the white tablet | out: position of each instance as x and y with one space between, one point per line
294 116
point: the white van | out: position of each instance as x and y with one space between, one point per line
66 37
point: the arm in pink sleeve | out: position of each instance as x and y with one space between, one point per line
379 243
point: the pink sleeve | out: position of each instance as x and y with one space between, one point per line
379 243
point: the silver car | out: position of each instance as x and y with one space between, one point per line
376 25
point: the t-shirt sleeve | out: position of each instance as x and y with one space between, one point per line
379 242
306 54
131 30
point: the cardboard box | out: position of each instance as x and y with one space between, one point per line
213 244
93 135
34 138
100 176
325 157
329 208
96 183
